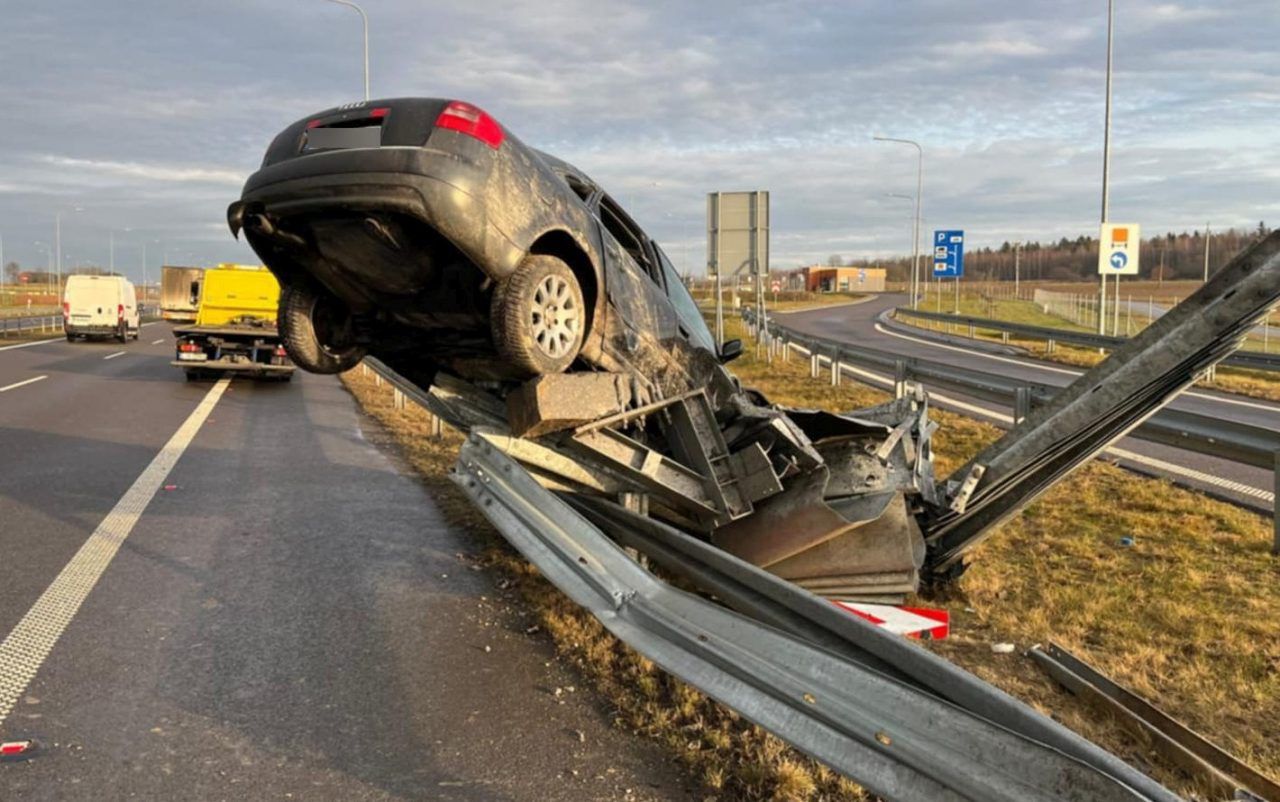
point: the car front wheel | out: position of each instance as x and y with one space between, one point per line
316 330
538 316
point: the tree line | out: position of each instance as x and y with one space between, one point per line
1163 257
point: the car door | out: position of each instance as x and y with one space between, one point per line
643 318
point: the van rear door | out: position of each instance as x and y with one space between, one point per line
93 300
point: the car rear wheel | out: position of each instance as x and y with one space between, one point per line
539 317
123 334
316 330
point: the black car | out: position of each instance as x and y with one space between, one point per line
421 229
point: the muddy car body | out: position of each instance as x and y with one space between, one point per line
409 226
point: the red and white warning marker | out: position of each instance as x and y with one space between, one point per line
16 750
915 622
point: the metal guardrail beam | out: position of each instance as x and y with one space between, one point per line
1253 360
12 326
896 740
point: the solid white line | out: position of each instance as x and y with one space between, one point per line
26 647
1120 453
157 342
21 384
33 342
116 354
1038 366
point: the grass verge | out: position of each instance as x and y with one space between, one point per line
1188 616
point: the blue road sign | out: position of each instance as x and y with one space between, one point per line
948 254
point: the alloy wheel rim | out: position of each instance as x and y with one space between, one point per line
555 316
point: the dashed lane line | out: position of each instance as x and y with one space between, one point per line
24 650
116 354
16 385
28 345
157 342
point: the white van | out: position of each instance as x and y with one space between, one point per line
100 306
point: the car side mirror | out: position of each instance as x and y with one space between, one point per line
730 350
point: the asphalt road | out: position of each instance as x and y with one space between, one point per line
857 325
283 615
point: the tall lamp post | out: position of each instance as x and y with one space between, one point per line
57 244
364 19
915 234
1106 170
903 196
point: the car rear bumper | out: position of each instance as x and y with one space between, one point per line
90 330
233 366
441 189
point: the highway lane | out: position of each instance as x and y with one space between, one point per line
857 325
289 617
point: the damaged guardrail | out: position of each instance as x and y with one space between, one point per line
1253 360
897 740
901 721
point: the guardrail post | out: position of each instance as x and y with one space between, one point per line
364 370
786 349
1004 337
437 426
1275 513
1049 345
899 378
813 364
835 367
1021 404
973 332
397 398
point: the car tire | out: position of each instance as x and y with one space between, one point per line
192 375
538 316
123 334
309 320
71 337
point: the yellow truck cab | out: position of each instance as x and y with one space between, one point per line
235 326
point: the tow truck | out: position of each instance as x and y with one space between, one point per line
235 327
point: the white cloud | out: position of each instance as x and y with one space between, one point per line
150 172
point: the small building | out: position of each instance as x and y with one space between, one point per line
820 278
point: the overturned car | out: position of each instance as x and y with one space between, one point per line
423 233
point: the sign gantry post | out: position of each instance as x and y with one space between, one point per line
948 260
737 240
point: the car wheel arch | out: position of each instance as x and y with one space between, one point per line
565 247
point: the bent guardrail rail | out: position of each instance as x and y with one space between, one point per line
897 740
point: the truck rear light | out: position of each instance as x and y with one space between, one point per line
188 348
280 351
66 309
120 311
467 119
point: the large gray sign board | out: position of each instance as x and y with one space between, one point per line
738 233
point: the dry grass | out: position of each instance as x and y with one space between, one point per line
1189 616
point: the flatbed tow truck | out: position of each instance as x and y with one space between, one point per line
235 327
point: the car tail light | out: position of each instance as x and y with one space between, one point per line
467 119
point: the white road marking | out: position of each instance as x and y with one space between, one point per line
116 354
33 638
16 385
157 342
33 342
1119 453
1038 366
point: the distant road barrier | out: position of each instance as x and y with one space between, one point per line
1253 360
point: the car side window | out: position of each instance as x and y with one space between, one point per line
582 190
617 224
691 320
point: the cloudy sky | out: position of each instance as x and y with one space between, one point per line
148 115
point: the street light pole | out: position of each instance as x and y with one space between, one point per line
1206 252
915 232
1017 260
364 19
1106 170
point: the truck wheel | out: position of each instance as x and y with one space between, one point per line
316 330
192 375
538 316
